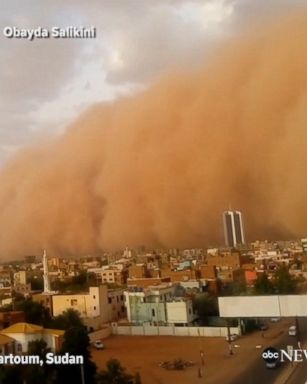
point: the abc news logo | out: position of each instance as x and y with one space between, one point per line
272 355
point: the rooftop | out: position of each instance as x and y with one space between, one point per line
30 329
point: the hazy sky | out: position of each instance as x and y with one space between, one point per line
46 83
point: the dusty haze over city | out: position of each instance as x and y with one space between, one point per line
159 167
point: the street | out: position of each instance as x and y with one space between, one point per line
258 373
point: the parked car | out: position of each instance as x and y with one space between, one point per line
292 330
232 337
275 319
98 344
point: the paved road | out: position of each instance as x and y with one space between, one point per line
300 375
258 373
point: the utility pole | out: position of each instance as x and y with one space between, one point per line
82 374
229 339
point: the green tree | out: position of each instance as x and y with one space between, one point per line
36 374
75 284
238 288
38 347
69 318
205 305
284 282
80 279
76 342
10 374
116 374
37 283
263 285
35 313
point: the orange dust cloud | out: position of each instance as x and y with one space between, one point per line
159 168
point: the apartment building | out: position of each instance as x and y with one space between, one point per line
97 306
108 275
158 305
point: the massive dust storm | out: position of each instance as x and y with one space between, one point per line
159 168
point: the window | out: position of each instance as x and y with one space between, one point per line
94 297
153 313
121 297
117 299
110 300
94 308
73 302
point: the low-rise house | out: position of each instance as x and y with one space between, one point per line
23 333
7 345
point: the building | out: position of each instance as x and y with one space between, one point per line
158 305
45 300
10 318
96 307
20 278
7 345
138 271
250 277
226 260
108 275
23 289
20 283
227 276
304 245
5 280
180 275
233 228
22 333
208 271
147 281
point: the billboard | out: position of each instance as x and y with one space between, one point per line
263 306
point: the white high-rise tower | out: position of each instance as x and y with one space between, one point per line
46 273
233 228
127 253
